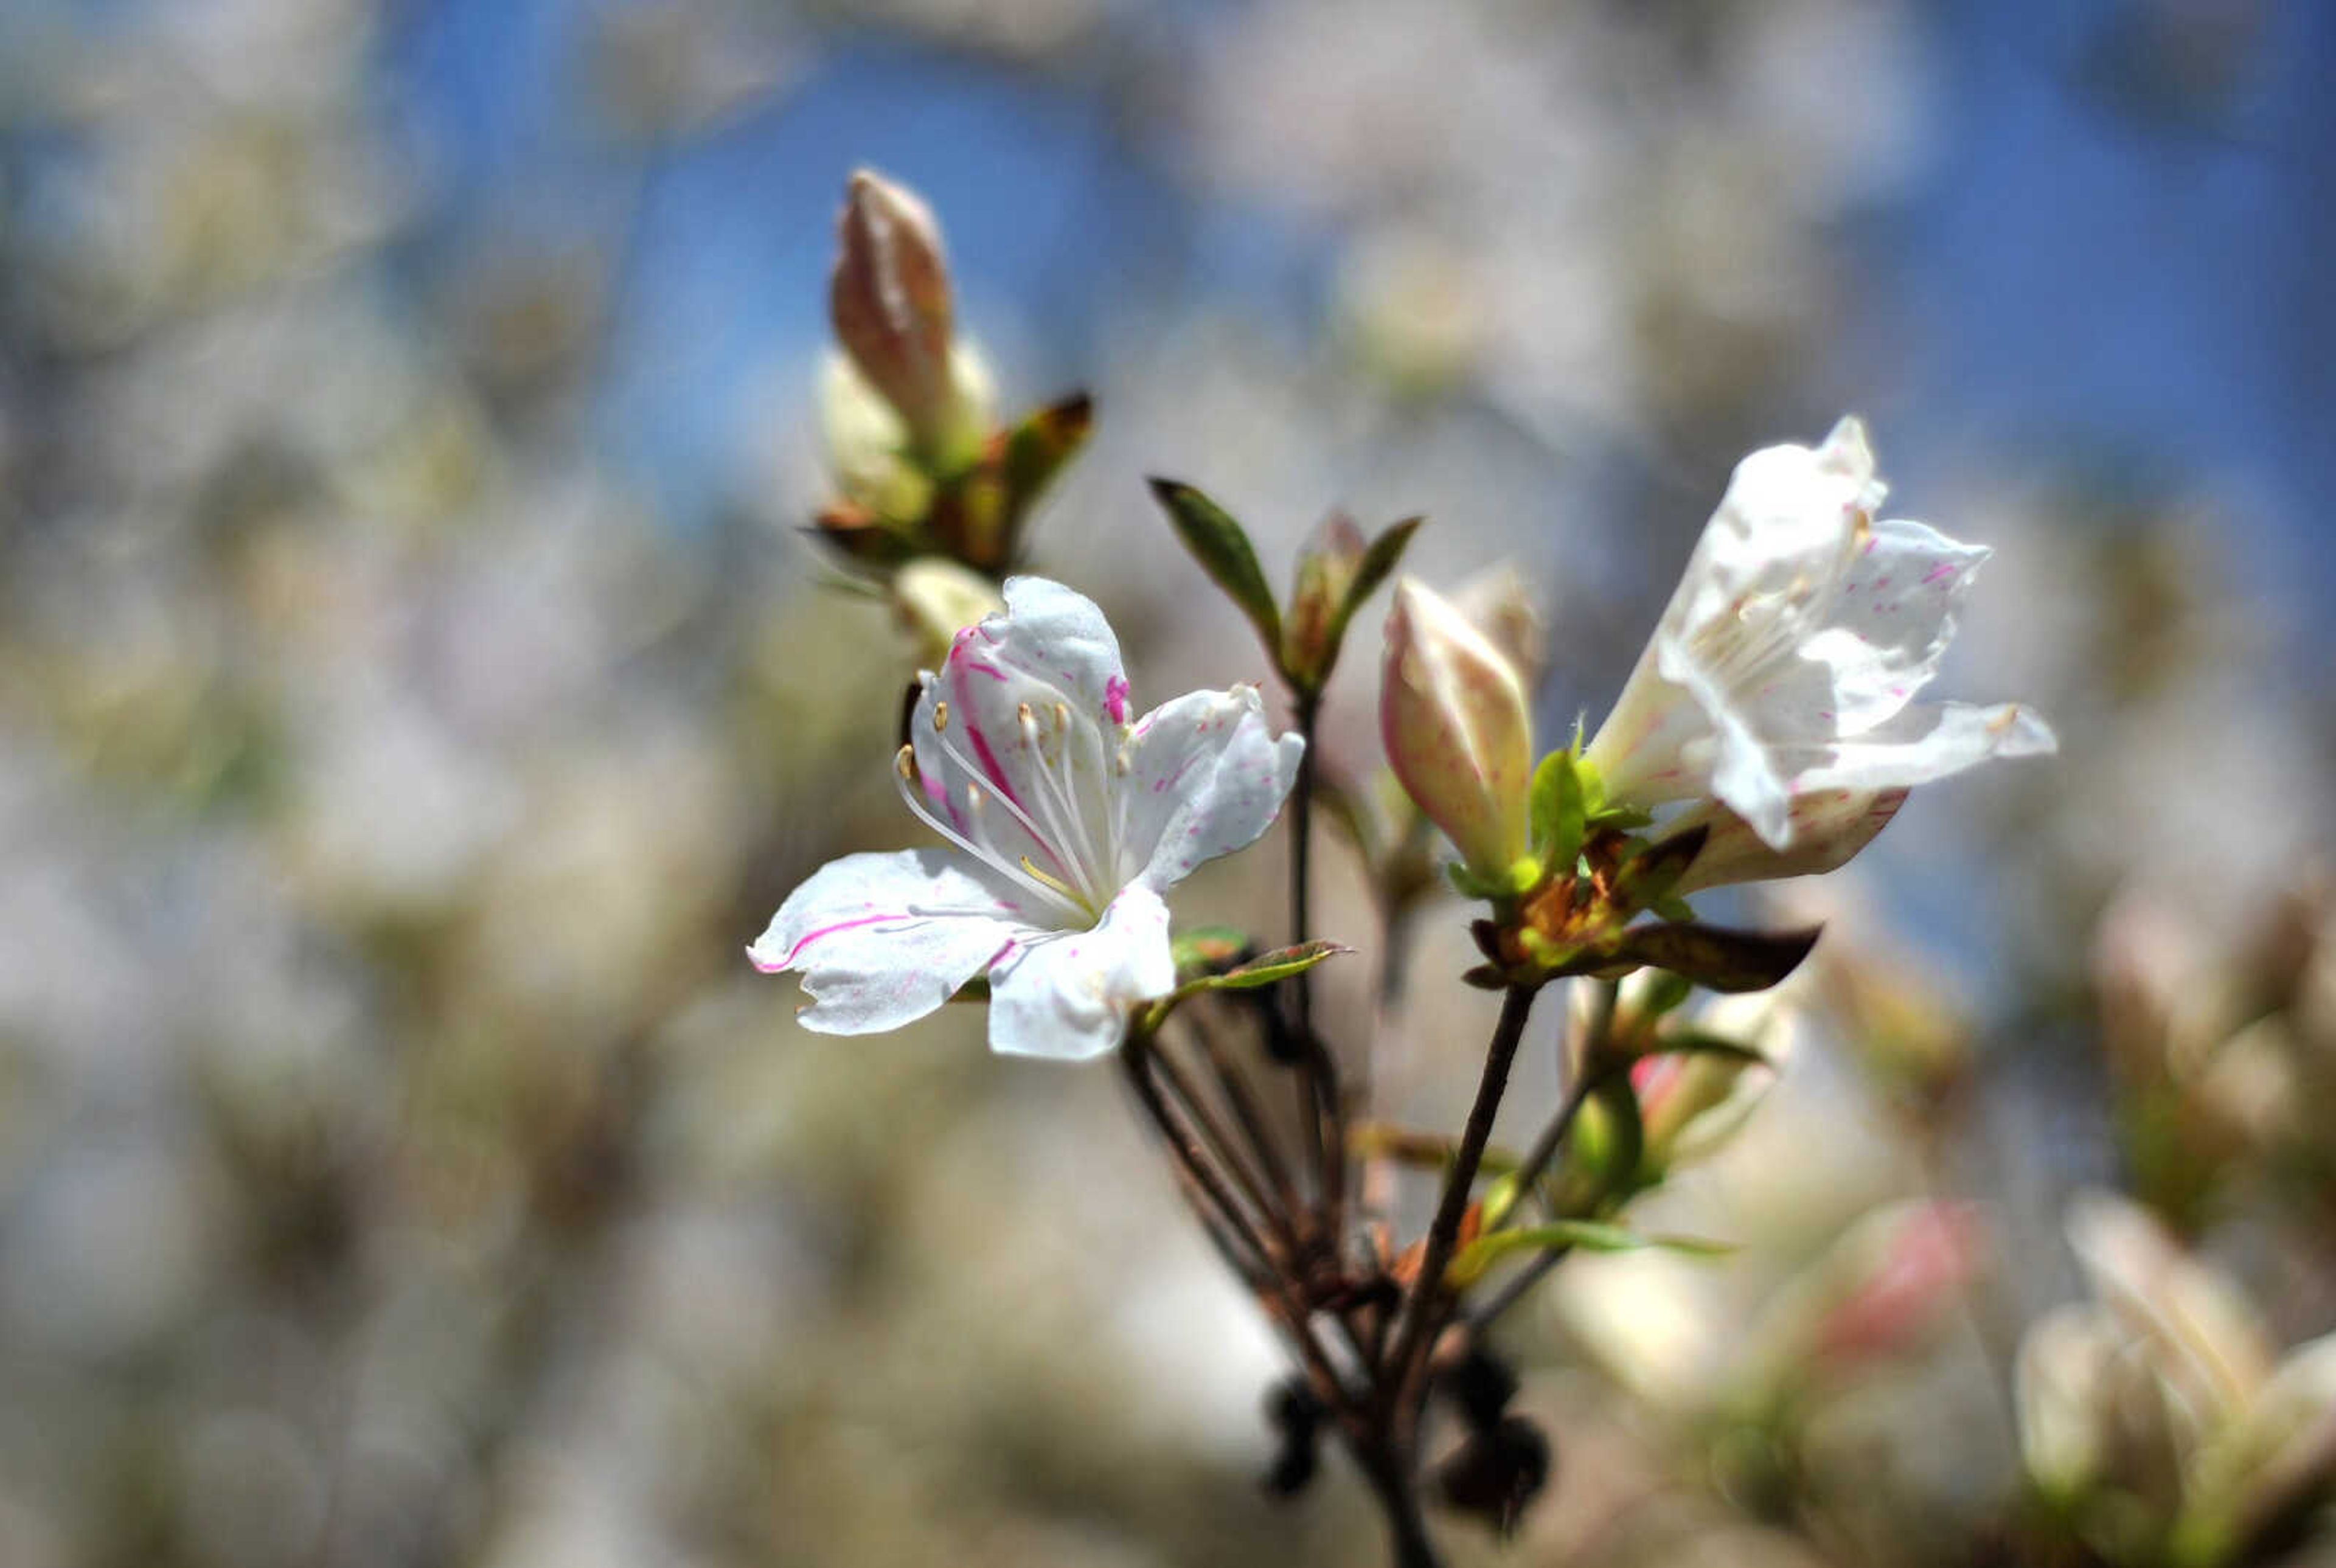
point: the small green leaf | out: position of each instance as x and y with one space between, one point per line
1279 965
1209 950
1560 807
1042 445
1718 958
1576 1235
1263 970
1222 548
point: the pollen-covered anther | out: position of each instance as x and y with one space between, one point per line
904 762
940 716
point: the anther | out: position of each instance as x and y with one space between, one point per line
940 716
904 761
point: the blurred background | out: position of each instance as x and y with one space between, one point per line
415 690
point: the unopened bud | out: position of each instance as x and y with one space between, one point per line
2064 1393
1897 1277
1453 714
889 298
1327 566
1499 602
936 599
867 447
1694 1104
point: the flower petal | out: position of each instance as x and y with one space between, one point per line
1788 525
1921 743
1206 776
1829 827
882 940
1891 620
1067 997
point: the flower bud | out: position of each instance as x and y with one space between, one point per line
866 446
890 299
1327 566
1453 714
1499 602
936 599
2065 1387
1897 1278
1691 1104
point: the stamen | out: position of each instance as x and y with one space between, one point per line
1014 809
904 770
1055 804
1059 886
941 716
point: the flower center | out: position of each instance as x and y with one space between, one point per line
1079 829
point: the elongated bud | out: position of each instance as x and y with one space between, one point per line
937 598
865 446
1453 714
1690 1104
889 298
1327 565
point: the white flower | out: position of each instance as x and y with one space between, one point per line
1066 823
1779 681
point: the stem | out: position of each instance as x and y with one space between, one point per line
1211 1133
1513 1290
1236 1090
1320 1110
1192 1160
1596 1032
1409 1358
1407 1525
1590 1072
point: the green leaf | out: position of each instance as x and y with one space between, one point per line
1042 445
1263 970
1575 1235
1209 950
1222 548
1718 958
1560 807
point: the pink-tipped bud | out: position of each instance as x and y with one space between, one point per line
1691 1104
889 298
1453 714
1901 1275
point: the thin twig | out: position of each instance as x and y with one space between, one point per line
1220 1144
1319 1112
1135 1057
1245 1108
1413 1337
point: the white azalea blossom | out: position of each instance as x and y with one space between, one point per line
1066 823
1778 684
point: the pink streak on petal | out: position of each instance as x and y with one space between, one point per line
1944 569
809 938
1114 698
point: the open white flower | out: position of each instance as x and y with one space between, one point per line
1066 822
1779 683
